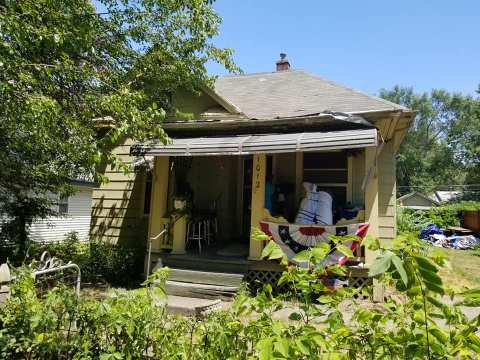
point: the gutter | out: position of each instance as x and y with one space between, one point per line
308 120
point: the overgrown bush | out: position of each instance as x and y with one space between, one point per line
411 221
98 261
416 324
445 216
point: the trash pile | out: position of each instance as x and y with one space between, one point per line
438 237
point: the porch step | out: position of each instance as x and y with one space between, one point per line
192 262
203 284
206 277
202 291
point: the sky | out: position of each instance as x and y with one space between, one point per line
365 44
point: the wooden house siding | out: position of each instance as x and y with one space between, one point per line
387 192
117 206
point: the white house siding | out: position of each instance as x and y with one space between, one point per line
78 219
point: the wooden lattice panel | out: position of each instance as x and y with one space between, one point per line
257 276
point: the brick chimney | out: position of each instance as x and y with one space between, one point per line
283 64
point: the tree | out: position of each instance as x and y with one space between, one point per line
63 65
441 146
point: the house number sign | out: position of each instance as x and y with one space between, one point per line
258 174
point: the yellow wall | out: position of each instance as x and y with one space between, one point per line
117 206
387 192
192 104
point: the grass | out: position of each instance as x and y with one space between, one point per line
464 270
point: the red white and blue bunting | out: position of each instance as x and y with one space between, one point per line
294 238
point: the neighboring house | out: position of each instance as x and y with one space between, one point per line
289 126
74 215
416 201
443 196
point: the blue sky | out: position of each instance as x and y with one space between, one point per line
364 44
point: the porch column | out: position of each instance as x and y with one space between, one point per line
258 201
371 198
371 212
158 207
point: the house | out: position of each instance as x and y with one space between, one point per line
207 187
74 214
417 201
444 196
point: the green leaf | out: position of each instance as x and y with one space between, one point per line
430 276
265 350
272 251
381 264
295 316
345 250
397 262
303 255
282 346
303 346
425 264
434 287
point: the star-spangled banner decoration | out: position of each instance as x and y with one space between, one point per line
294 238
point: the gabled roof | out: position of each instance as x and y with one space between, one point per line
418 194
295 93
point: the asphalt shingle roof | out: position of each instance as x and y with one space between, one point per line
295 93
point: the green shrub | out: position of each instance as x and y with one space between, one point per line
418 324
98 261
411 221
445 216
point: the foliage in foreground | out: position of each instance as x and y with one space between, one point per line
416 324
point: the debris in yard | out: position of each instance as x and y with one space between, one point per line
430 229
436 236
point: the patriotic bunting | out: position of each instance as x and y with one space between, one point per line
294 238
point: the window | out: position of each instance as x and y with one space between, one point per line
63 205
329 170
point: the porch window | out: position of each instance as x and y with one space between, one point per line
329 170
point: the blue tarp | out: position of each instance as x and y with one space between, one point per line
430 229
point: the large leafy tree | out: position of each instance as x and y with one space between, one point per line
66 63
442 146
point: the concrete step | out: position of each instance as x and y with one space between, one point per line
192 306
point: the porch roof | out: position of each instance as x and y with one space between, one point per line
264 143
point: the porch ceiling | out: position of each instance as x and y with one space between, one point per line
265 143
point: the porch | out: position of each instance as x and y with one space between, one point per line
224 181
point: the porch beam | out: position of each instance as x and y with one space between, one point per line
258 202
